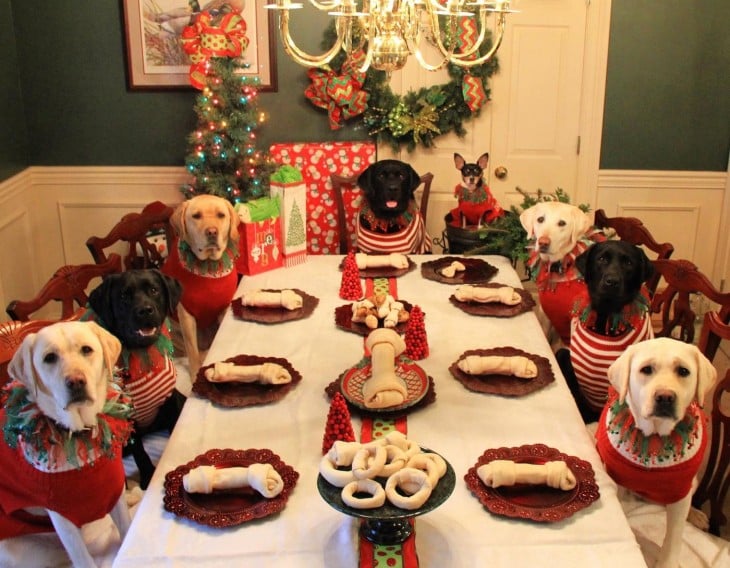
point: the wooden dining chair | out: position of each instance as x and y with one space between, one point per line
715 481
674 301
68 286
342 185
634 231
133 232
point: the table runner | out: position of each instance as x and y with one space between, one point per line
372 555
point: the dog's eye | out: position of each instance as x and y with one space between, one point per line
197 215
683 371
562 223
541 219
153 291
646 370
221 215
603 259
50 358
87 349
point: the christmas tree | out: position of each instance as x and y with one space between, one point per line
296 234
222 155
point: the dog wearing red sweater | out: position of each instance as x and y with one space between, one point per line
204 262
652 433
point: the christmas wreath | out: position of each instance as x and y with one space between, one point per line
418 117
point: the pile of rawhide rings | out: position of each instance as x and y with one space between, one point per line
411 473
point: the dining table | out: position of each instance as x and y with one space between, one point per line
460 423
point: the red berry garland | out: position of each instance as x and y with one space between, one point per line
416 339
351 287
338 425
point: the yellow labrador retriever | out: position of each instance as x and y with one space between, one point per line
561 233
64 426
651 435
204 263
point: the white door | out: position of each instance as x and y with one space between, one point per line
530 127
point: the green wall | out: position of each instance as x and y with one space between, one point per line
666 98
13 134
668 86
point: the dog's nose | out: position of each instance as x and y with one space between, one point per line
664 403
610 280
211 232
143 311
76 385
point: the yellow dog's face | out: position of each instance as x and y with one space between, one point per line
206 223
556 228
66 368
659 378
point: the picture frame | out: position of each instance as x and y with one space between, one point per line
156 59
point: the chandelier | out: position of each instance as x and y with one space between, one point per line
388 31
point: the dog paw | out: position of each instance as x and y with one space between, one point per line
698 519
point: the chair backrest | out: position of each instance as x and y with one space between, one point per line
11 336
674 301
634 231
134 230
67 285
714 484
346 223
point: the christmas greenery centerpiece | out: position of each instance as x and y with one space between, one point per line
222 154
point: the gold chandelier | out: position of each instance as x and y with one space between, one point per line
388 31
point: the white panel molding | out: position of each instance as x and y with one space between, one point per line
108 175
15 187
652 179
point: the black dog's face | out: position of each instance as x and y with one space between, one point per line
388 187
614 272
134 304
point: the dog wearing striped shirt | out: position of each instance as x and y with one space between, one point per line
611 316
389 219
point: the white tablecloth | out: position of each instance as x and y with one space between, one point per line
460 425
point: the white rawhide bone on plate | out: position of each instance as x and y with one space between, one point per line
517 365
504 295
412 481
266 373
451 270
260 476
394 259
384 389
370 486
554 474
287 299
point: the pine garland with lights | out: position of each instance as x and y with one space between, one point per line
222 154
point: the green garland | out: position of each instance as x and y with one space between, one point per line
418 117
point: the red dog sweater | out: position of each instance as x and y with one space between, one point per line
475 206
80 475
410 238
658 468
208 286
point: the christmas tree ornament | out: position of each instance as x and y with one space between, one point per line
350 287
416 339
339 425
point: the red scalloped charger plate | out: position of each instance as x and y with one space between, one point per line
414 377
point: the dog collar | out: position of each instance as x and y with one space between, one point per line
388 225
51 447
479 195
208 268
652 450
630 317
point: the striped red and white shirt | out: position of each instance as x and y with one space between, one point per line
592 354
150 389
412 239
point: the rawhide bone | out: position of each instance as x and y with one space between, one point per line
451 270
266 373
504 295
517 365
394 259
414 482
287 299
384 389
260 476
554 474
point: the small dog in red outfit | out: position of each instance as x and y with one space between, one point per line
477 205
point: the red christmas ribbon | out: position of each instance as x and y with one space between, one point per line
207 38
340 94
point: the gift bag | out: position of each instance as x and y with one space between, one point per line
260 228
287 184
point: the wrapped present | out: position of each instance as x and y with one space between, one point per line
260 228
288 185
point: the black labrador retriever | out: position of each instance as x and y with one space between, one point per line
617 315
134 306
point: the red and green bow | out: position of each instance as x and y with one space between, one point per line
207 38
341 94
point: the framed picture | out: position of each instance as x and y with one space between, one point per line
155 56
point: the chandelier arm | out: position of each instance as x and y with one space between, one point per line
302 57
457 59
325 6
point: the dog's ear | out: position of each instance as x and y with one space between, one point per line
706 376
527 218
483 161
177 220
581 223
110 345
583 261
173 288
363 180
233 216
21 366
414 180
647 268
459 161
620 371
100 300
